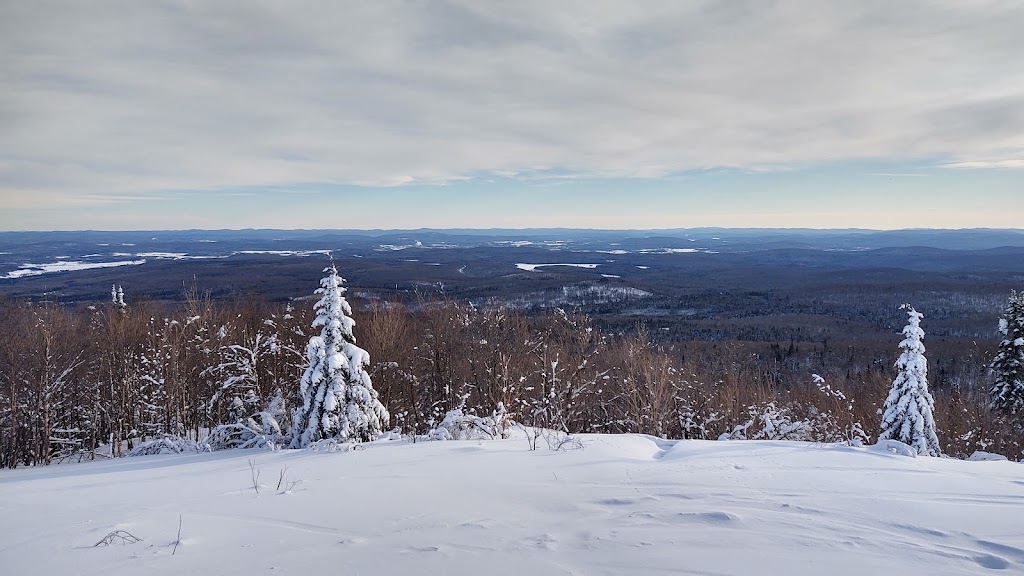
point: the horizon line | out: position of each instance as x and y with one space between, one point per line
525 229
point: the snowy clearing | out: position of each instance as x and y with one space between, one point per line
676 251
534 267
140 258
301 253
625 504
184 256
38 269
164 255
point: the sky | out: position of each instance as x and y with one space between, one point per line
127 115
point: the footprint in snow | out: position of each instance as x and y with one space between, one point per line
679 496
543 542
421 549
716 518
480 525
616 501
991 562
1016 553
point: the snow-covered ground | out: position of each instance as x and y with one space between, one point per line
622 505
301 253
534 267
65 266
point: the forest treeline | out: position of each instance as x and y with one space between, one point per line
78 382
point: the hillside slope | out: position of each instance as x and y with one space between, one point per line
622 505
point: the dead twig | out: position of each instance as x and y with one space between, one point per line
280 478
125 537
255 476
178 539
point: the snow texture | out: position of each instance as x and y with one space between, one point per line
907 415
339 401
980 456
626 504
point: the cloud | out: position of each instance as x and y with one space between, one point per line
1006 163
121 98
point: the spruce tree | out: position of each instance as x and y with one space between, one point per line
1007 392
908 409
338 399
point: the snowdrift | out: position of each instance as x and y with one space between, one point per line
626 504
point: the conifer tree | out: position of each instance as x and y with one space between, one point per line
117 296
908 409
1007 392
338 399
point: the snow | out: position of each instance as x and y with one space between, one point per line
625 504
513 243
302 253
184 256
652 251
980 456
170 255
676 251
534 267
65 266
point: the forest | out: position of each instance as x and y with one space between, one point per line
97 380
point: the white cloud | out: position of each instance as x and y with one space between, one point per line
1007 163
111 99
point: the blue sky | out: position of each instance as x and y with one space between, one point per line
156 115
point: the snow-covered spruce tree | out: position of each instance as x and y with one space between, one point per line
908 409
338 399
1008 366
117 296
